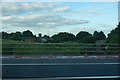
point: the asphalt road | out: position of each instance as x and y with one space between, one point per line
64 60
59 68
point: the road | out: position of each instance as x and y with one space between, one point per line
59 60
60 68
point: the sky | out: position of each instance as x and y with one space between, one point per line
59 0
53 17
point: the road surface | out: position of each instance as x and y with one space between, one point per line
60 68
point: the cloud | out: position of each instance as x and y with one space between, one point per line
13 8
40 21
22 8
62 9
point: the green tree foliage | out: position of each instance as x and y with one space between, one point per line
45 36
99 36
63 37
27 34
48 39
102 35
16 36
114 35
84 37
5 35
19 35
13 36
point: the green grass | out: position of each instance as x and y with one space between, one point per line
11 47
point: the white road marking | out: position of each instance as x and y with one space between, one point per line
59 64
94 77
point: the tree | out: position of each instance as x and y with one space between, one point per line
45 36
84 37
15 36
5 35
39 35
99 35
19 35
96 36
114 35
27 34
102 35
63 37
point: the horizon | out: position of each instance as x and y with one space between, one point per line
51 35
49 18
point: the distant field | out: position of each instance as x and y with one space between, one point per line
11 47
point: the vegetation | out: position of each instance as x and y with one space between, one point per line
114 35
85 37
81 37
11 47
25 43
99 36
63 37
114 38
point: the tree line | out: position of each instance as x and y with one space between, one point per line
81 37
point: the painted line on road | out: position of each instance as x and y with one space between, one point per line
59 64
93 77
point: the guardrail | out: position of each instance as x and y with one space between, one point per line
59 49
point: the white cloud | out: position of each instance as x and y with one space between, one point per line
50 21
13 8
62 9
21 8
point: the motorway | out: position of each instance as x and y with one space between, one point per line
60 68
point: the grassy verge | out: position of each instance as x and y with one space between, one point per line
11 47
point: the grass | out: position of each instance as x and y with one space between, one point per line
11 47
